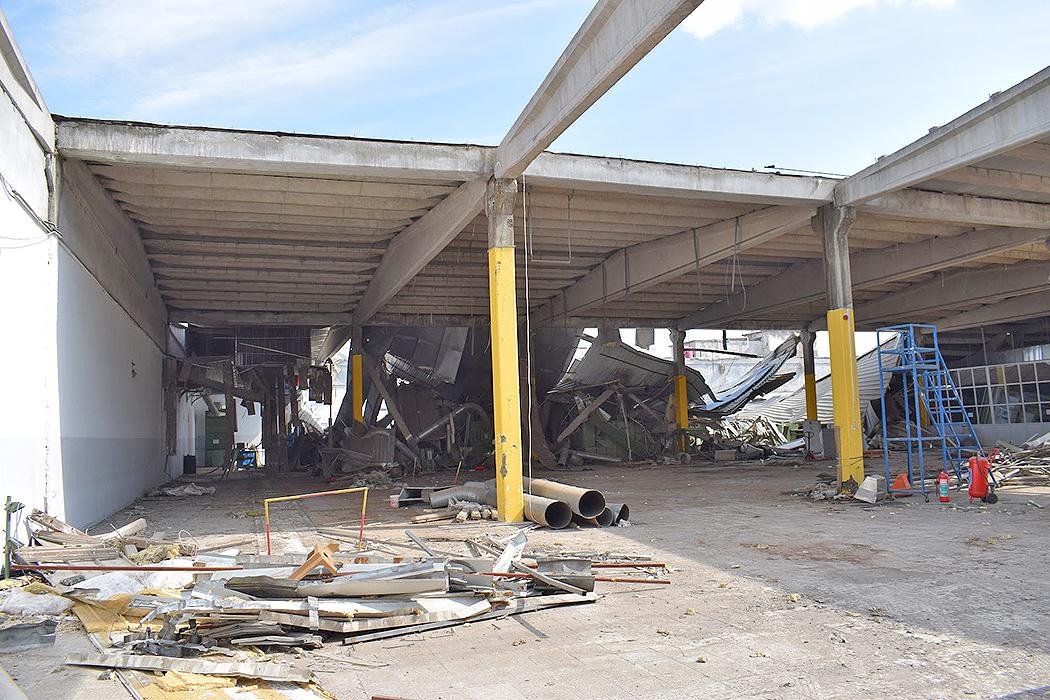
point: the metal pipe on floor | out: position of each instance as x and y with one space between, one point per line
591 457
547 511
586 503
620 512
477 491
603 519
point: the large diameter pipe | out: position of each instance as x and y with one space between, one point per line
604 519
477 491
620 512
547 511
586 503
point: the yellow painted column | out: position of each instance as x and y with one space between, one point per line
848 432
809 373
357 366
811 396
503 312
834 222
357 374
681 408
681 392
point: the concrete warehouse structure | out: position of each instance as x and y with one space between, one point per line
114 233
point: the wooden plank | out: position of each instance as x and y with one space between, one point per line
584 413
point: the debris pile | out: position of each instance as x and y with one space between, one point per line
230 615
1027 463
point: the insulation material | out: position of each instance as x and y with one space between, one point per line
19 602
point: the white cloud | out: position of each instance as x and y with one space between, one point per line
172 58
97 34
716 15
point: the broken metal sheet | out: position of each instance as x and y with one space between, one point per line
430 610
756 381
291 639
29 635
264 670
514 607
609 360
792 407
400 571
351 587
511 553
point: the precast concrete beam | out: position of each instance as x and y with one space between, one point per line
645 265
234 151
634 177
409 252
1009 119
803 283
959 209
929 299
614 37
1018 308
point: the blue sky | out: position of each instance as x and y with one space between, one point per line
823 85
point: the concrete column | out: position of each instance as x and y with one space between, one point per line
681 396
503 311
229 376
809 373
833 223
357 373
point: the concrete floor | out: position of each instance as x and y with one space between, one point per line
906 599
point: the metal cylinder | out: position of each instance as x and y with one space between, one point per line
620 511
586 503
440 422
604 519
547 511
477 491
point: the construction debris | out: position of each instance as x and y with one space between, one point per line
1027 463
209 614
28 635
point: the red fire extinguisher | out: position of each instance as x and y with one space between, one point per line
942 487
978 478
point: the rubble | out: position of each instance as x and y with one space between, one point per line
1027 463
209 615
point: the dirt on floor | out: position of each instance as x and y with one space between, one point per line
773 595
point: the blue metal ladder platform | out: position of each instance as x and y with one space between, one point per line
928 393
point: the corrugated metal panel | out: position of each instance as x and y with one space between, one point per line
609 360
733 398
792 408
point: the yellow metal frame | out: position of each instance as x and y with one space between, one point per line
358 387
363 490
846 397
681 408
506 406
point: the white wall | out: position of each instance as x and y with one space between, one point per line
29 446
83 432
111 400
